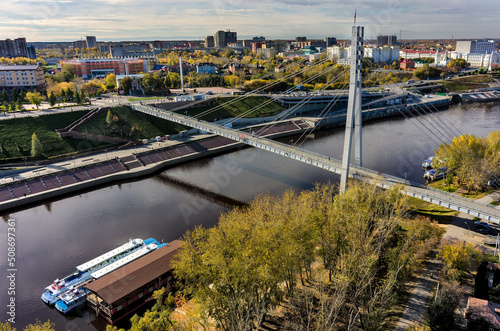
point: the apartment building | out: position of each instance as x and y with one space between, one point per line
22 77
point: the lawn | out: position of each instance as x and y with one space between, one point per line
467 83
18 131
434 212
236 106
130 125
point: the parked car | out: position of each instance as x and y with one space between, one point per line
481 225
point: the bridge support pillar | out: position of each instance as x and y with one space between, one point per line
353 119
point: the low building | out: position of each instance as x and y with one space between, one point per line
407 64
91 68
121 292
22 77
206 68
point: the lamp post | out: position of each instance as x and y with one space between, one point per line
468 229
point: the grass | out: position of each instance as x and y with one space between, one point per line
232 107
151 98
467 83
434 212
494 203
148 126
476 195
19 131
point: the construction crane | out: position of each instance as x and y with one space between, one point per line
401 33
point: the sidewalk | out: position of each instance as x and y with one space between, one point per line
75 162
421 294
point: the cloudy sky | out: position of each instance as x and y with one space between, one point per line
68 20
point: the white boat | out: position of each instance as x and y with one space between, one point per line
83 272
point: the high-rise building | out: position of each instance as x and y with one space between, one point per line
13 48
79 44
298 39
91 42
31 52
258 39
387 40
209 42
223 38
330 41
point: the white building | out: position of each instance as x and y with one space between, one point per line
382 54
338 52
411 54
22 76
476 46
478 60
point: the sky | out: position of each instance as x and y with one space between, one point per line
113 20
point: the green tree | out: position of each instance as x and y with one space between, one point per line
34 98
20 104
70 94
36 146
126 85
78 98
52 99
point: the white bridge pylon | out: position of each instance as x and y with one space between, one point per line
353 119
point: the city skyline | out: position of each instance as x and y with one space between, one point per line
113 20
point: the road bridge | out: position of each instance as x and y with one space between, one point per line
327 163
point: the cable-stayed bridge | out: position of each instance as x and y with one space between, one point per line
437 197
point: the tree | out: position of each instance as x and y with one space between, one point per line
126 84
34 98
69 93
52 99
78 99
458 258
111 81
109 117
36 146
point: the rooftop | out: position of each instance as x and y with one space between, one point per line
135 274
485 309
19 67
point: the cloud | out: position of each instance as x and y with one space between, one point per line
194 19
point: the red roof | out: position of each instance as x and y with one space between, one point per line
485 309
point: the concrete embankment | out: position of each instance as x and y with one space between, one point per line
17 199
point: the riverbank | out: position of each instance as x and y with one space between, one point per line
83 174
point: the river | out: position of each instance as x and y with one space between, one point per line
53 238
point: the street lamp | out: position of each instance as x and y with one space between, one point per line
468 229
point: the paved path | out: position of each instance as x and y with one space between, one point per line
421 293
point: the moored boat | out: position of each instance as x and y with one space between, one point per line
83 273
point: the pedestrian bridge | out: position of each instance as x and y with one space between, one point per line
415 190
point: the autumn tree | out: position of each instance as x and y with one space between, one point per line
111 81
109 117
458 258
34 98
